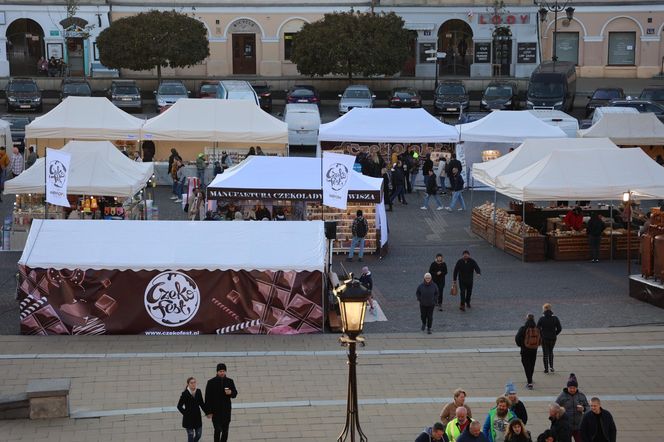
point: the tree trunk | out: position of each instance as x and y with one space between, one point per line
158 75
350 71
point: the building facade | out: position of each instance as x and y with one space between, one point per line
254 38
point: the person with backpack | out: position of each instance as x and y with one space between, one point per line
528 338
360 228
550 328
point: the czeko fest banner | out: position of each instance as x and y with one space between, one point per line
57 176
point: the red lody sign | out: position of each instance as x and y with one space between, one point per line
503 19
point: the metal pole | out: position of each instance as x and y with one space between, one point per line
495 209
437 61
611 242
629 237
352 415
555 32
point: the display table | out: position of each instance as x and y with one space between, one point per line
575 247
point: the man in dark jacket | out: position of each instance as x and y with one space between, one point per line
438 270
473 433
427 294
427 165
575 404
595 228
453 163
463 272
559 424
398 184
517 406
456 184
550 328
597 424
431 434
528 354
218 394
431 191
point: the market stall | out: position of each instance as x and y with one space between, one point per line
125 278
290 188
84 118
590 175
492 136
642 130
103 183
211 126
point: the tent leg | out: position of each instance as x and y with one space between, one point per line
611 242
495 209
523 221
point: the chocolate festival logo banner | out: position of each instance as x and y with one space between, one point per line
57 176
384 149
336 172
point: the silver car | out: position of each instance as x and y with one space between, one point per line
168 93
356 96
126 95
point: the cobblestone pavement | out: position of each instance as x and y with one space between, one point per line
293 388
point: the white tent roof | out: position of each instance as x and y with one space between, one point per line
232 121
85 118
589 174
507 127
287 173
531 151
380 125
6 131
565 122
630 129
96 168
144 245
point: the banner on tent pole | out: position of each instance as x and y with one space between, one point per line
57 176
336 172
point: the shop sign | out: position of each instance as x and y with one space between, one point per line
384 149
54 33
526 53
482 52
503 19
291 195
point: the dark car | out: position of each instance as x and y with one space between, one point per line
75 87
208 89
302 93
18 123
450 98
653 93
23 94
601 97
126 95
264 96
642 106
471 116
499 95
404 97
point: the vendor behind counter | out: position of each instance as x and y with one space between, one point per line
574 219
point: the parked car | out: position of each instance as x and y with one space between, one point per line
552 85
608 109
264 96
208 89
303 121
75 87
356 96
126 95
18 123
642 106
499 95
450 97
653 93
237 90
601 97
23 94
168 93
404 97
302 93
469 117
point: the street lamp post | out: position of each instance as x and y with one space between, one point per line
627 199
434 57
555 6
352 298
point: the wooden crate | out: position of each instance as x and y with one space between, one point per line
576 248
620 246
528 248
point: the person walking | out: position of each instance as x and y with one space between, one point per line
597 424
32 157
473 433
360 228
427 294
431 191
16 163
550 328
516 432
398 184
458 425
517 406
367 281
436 433
181 178
438 270
464 271
560 426
453 163
595 228
575 404
4 167
498 419
441 172
414 168
458 400
201 165
387 187
218 394
456 184
190 406
528 338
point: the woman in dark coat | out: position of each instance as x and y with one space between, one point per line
528 355
550 328
190 405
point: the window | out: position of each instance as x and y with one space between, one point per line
288 44
567 46
622 48
423 54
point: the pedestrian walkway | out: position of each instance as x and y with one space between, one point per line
293 388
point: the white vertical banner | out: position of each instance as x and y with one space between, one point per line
57 176
336 170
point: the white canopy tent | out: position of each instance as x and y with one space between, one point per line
531 151
500 131
6 135
566 122
140 245
96 168
588 174
382 125
628 129
85 118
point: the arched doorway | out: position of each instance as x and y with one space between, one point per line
455 39
244 46
25 46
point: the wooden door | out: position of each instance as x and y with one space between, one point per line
244 54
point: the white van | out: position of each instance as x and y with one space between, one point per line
237 90
597 115
303 121
565 122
